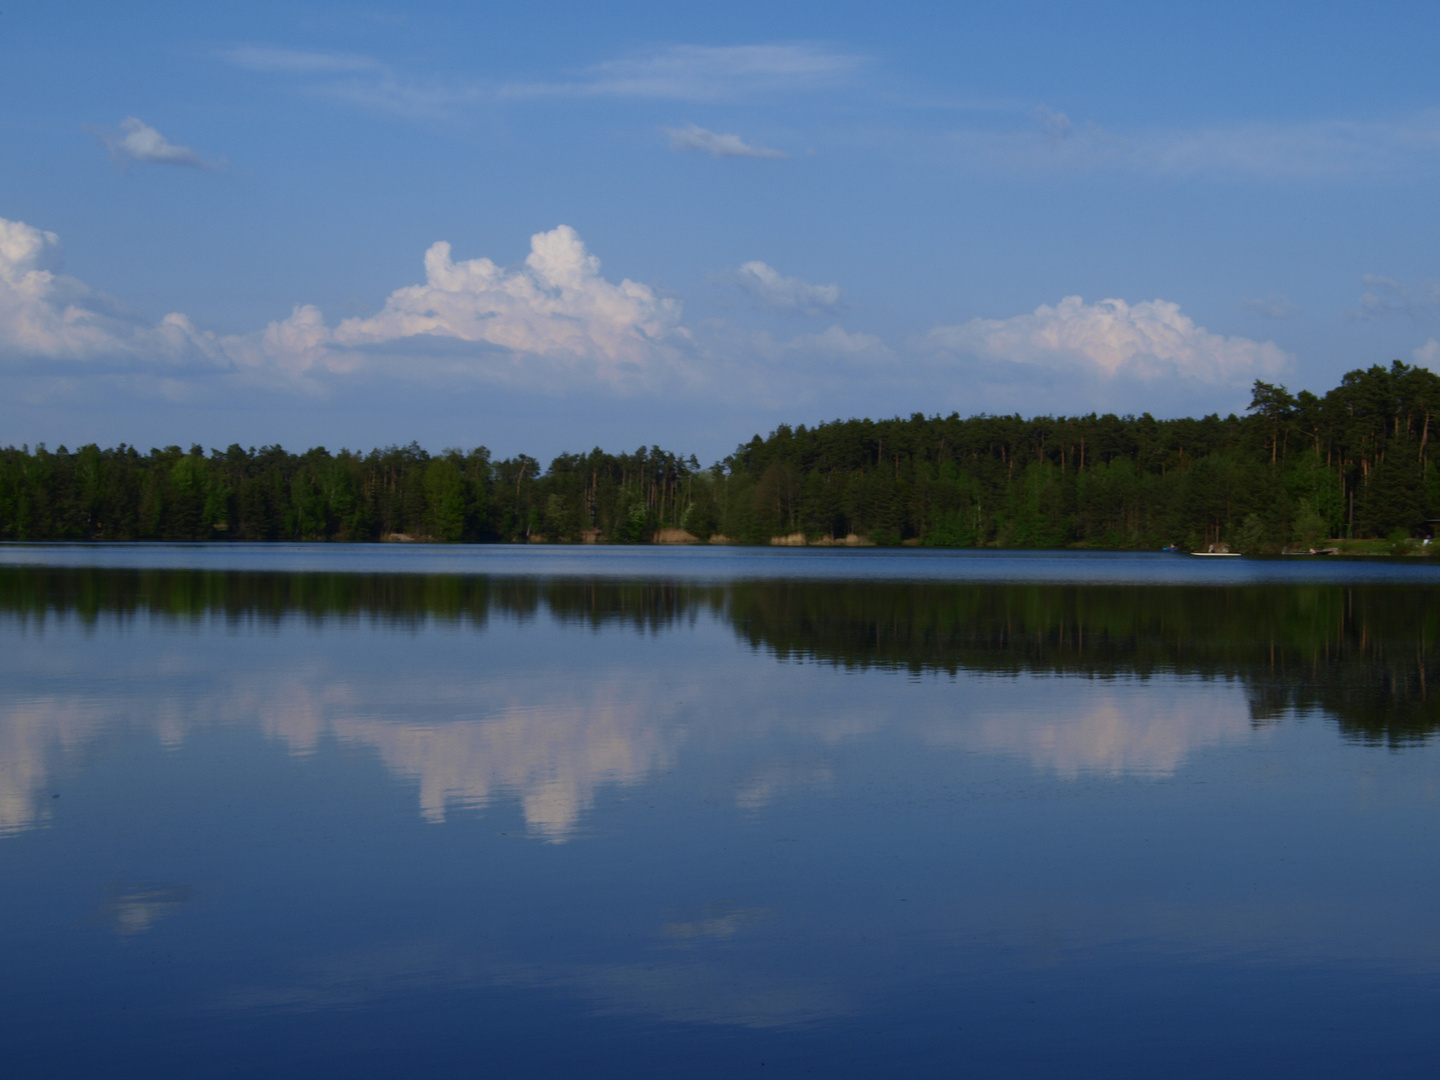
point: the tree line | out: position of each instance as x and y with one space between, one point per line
1295 469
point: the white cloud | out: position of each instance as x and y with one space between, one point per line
1428 355
770 288
45 315
555 324
705 73
138 141
1318 149
1055 125
1113 340
674 73
548 323
25 250
1273 306
837 343
553 316
397 97
716 145
1385 297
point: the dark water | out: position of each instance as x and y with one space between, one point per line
448 812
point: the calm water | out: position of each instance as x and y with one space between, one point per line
454 812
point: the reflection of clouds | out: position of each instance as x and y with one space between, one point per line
551 742
1048 930
1113 733
686 991
300 713
555 753
29 734
776 778
716 921
695 993
554 742
357 979
134 911
553 738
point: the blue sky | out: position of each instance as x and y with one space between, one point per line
221 225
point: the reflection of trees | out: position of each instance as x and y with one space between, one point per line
1362 654
35 592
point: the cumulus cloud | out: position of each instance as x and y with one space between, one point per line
1385 297
716 145
556 304
1111 340
45 315
554 323
554 318
138 141
555 315
1428 355
769 287
1273 306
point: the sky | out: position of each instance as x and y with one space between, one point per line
552 226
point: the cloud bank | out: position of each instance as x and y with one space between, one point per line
554 324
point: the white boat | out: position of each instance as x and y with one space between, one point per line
1217 551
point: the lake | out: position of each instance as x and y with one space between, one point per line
381 811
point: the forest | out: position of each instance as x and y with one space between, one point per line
1296 469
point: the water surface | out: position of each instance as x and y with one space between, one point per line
456 812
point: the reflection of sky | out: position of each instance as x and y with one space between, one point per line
551 743
133 911
1112 728
551 737
32 731
704 992
721 563
753 847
